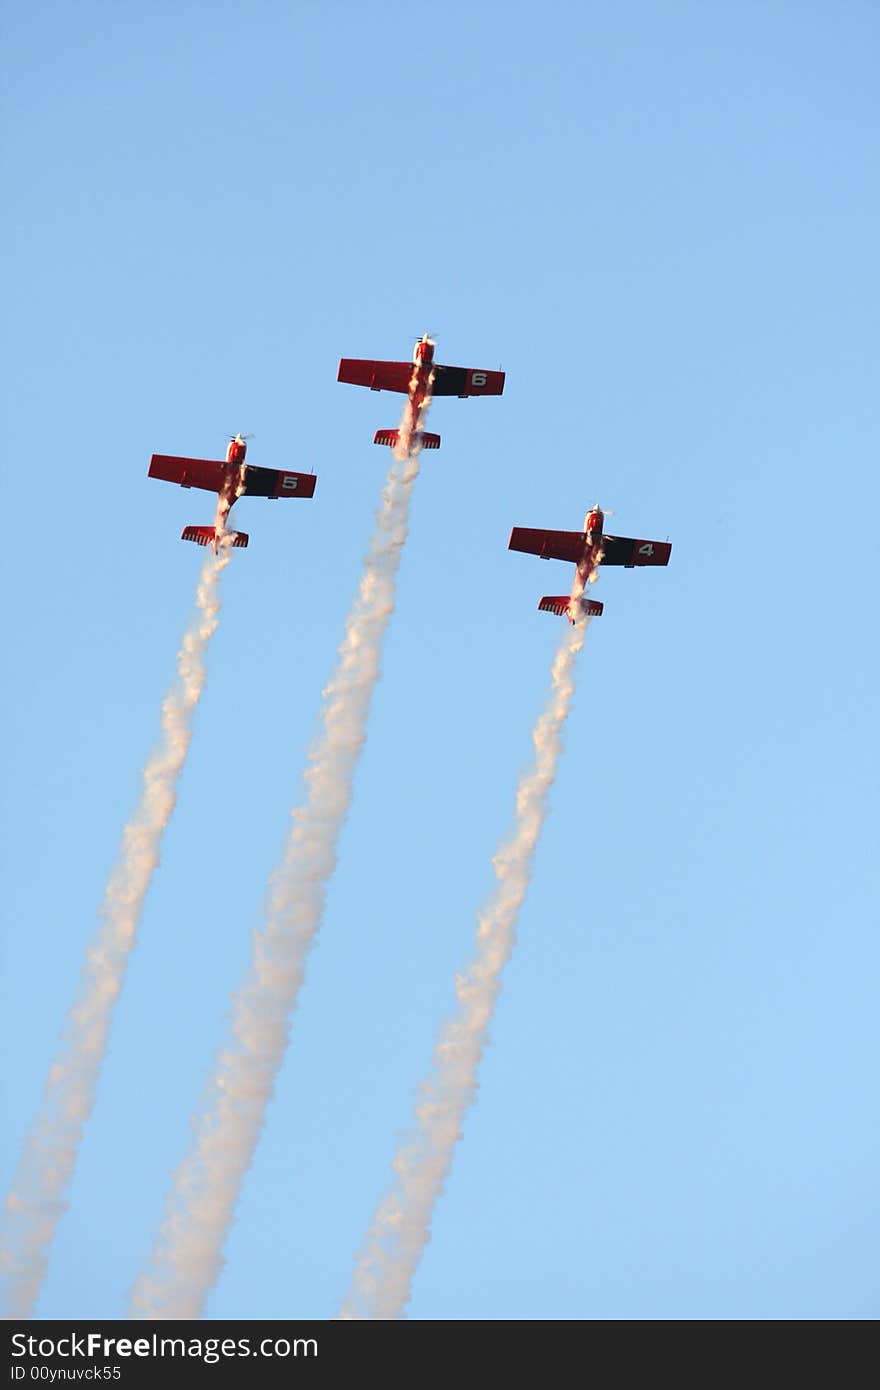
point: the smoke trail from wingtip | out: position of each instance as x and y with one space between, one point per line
401 1227
187 1257
36 1201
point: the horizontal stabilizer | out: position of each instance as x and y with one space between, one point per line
560 604
205 535
390 437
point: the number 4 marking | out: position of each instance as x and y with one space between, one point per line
646 549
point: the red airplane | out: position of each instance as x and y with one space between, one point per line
421 380
230 480
588 549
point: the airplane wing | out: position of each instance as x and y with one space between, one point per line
623 550
206 473
378 376
396 376
550 545
212 475
276 482
464 381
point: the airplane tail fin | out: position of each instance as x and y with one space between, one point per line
390 437
561 604
206 535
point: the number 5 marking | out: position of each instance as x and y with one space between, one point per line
289 484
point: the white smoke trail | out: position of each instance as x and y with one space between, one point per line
188 1254
401 1227
36 1201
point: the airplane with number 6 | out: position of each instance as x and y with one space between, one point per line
588 549
421 380
230 479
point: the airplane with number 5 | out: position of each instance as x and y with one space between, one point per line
230 479
421 380
588 549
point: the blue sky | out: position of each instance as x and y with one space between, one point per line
662 222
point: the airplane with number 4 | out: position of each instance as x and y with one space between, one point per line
421 380
230 479
588 549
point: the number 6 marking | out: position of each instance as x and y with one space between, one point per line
478 378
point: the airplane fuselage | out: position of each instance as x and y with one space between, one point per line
419 390
423 352
594 523
236 450
233 482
